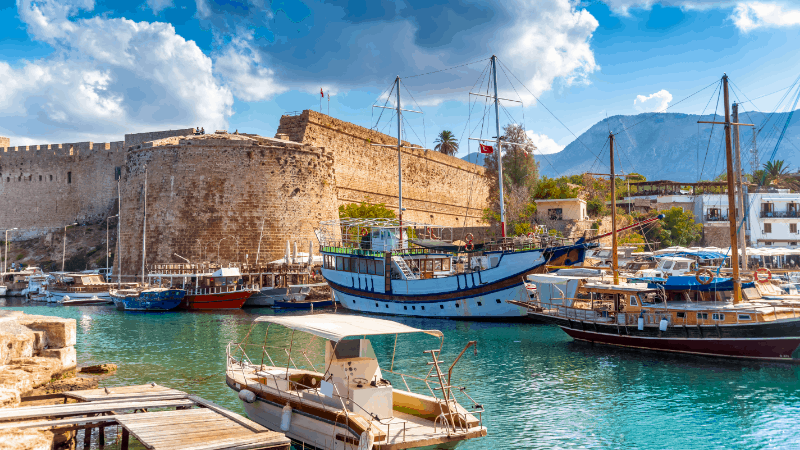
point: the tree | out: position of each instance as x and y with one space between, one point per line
365 210
776 169
446 143
677 228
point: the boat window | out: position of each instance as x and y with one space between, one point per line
680 265
347 349
379 267
437 265
718 316
681 315
339 263
405 307
346 262
423 308
371 266
744 317
498 300
362 266
386 305
633 301
667 264
441 306
703 316
457 305
480 304
429 265
414 308
446 264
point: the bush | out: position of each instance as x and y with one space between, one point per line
20 256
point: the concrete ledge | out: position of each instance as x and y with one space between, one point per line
59 332
67 356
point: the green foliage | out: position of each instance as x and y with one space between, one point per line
636 177
554 188
677 228
777 168
521 229
20 256
596 224
365 210
446 143
554 232
633 238
595 207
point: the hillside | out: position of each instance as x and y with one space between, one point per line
671 146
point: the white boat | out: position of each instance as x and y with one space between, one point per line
371 269
3 290
16 283
267 296
344 402
77 286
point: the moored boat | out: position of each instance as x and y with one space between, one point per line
344 402
81 286
147 299
221 289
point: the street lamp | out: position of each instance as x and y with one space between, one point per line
107 250
218 257
5 260
64 251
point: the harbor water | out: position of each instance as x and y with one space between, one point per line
540 389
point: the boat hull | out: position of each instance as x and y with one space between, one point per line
777 341
477 295
266 297
58 295
222 300
150 301
303 304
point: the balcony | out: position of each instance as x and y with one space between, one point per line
716 218
778 214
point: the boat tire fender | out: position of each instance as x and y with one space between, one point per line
247 396
640 322
704 276
286 418
765 278
662 326
366 441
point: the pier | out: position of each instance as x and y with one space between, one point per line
183 421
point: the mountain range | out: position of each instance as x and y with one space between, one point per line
671 146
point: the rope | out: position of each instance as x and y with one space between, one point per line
448 68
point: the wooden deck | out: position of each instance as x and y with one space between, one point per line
183 422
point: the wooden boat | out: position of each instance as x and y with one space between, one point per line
147 299
345 402
87 302
221 289
81 286
16 283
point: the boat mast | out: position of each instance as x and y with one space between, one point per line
740 200
144 226
614 262
399 165
737 286
118 256
499 151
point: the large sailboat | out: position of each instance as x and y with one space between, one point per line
392 266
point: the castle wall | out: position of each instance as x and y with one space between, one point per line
5 142
202 189
437 188
44 187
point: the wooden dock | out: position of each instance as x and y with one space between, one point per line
182 422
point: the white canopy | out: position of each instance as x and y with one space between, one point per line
336 327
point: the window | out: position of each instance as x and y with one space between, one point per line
362 266
446 264
51 178
376 305
555 214
633 301
767 228
117 173
346 262
371 266
744 317
441 306
793 228
437 265
498 301
718 316
40 178
703 316
679 265
379 268
667 264
681 315
423 308
386 305
413 307
339 263
457 305
480 304
405 307
69 177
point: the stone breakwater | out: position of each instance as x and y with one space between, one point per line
33 350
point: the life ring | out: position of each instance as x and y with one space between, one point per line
759 278
704 276
531 234
364 232
469 238
432 234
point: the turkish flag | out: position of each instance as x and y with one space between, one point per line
486 148
320 93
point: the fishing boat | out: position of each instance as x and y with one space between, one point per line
329 391
221 289
80 286
16 283
147 299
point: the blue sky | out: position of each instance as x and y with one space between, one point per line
78 70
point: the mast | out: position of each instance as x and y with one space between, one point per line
118 256
740 200
737 287
614 262
399 165
144 225
499 151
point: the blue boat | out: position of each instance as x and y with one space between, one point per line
149 299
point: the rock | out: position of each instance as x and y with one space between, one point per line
27 439
69 384
9 398
60 332
99 368
66 356
15 342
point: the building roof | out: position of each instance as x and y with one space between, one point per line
560 200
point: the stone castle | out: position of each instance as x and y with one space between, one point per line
222 196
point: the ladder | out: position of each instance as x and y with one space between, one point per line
448 401
401 264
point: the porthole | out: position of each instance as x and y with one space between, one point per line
414 308
405 307
441 306
423 308
480 304
386 305
498 301
354 301
744 317
376 305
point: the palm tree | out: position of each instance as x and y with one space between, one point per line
776 169
446 143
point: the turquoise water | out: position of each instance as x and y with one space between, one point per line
540 389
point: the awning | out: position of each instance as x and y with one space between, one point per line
683 283
336 327
699 254
779 199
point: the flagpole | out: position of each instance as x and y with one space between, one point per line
499 150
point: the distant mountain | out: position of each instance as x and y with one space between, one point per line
475 158
672 146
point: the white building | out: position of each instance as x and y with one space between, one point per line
774 219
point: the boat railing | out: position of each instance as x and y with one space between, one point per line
221 289
295 393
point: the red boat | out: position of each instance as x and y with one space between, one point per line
221 289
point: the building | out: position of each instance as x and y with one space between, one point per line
561 209
774 217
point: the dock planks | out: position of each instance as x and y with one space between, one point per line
197 424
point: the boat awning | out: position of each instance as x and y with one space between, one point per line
442 246
684 283
702 255
227 272
336 327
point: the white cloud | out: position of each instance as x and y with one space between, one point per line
751 15
623 6
241 67
544 145
107 77
657 102
159 5
549 41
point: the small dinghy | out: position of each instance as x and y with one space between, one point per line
95 300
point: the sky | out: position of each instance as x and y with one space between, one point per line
84 70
